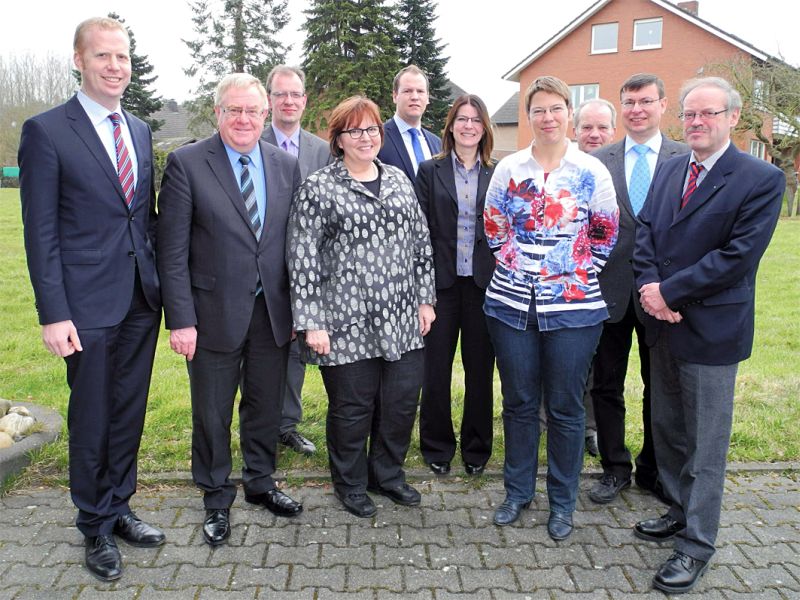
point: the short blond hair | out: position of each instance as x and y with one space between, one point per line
239 81
106 23
549 84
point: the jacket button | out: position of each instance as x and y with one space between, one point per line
132 218
131 253
667 262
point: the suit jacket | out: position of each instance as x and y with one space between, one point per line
314 152
394 150
435 187
706 254
616 279
82 242
210 261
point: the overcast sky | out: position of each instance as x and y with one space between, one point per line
484 40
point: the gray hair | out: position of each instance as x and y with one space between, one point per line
285 70
576 117
733 99
239 81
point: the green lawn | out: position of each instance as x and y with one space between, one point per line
767 397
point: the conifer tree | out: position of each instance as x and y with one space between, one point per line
418 45
349 49
239 36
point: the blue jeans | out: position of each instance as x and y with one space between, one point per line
554 363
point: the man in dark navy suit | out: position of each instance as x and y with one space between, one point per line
407 144
88 208
707 221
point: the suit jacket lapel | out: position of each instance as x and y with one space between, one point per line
80 123
396 138
272 175
142 154
221 167
444 171
616 166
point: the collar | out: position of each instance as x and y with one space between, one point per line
96 112
709 163
254 154
654 143
403 126
281 137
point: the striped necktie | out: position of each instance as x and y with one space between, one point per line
691 185
124 165
249 195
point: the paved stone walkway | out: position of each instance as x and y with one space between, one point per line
447 548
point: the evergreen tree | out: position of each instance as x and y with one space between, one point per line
349 49
242 38
138 98
419 46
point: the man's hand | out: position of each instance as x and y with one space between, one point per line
426 318
318 341
668 315
61 338
184 341
651 299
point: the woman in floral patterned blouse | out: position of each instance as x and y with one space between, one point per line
362 291
551 219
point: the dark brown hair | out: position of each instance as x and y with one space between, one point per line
486 144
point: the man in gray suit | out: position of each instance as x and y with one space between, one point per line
223 208
287 101
631 163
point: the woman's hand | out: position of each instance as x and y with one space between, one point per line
318 341
426 318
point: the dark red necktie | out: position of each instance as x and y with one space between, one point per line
124 165
691 185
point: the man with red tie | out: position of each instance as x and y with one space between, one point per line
88 208
707 221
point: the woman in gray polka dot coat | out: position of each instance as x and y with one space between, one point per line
362 290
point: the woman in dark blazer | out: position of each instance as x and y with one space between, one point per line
451 189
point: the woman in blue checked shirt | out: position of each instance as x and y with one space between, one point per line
551 220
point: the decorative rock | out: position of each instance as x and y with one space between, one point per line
4 406
5 440
16 425
19 410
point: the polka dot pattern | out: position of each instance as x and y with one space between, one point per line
359 265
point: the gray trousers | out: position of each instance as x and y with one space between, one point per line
292 411
692 411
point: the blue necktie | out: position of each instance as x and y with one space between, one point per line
640 179
414 132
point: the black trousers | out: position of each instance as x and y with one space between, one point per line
258 367
608 395
109 382
459 310
371 399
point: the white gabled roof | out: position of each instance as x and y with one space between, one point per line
513 74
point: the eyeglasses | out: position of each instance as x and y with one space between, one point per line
644 103
465 120
705 115
357 132
237 111
557 110
283 95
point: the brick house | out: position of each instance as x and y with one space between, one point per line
613 39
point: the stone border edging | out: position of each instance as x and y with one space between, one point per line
17 457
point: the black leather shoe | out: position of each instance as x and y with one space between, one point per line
608 488
679 574
300 444
103 559
403 494
559 525
137 533
509 511
659 529
217 526
276 502
440 467
358 504
590 443
474 469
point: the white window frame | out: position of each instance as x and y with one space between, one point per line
616 36
645 22
758 149
578 93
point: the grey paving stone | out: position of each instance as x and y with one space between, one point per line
271 578
763 556
602 556
160 577
308 555
334 555
539 578
218 577
338 535
387 535
470 535
760 579
480 517
332 578
641 579
522 554
467 555
91 593
483 594
197 554
613 578
411 536
446 517
181 536
420 595
24 554
389 556
258 534
765 595
325 594
721 577
211 594
525 595
251 556
387 578
743 516
148 592
731 554
573 555
306 594
502 578
26 576
445 577
772 534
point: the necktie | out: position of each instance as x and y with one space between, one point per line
691 185
249 195
640 179
288 146
124 165
414 132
